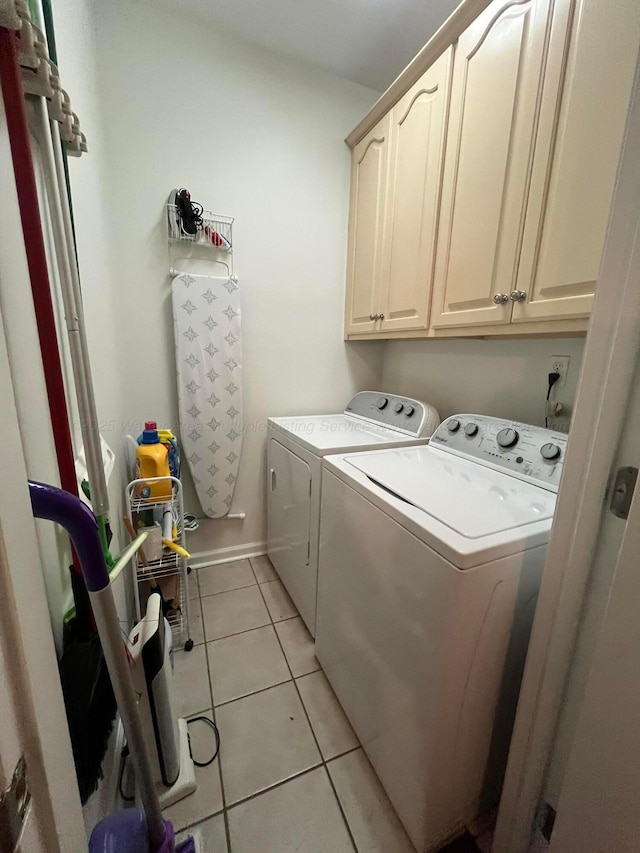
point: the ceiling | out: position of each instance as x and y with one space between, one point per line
367 41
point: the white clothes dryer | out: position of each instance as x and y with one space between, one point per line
430 561
295 448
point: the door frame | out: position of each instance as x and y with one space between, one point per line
608 369
32 695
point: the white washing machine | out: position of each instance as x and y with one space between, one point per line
429 566
295 447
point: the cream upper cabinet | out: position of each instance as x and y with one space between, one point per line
498 71
418 126
574 174
369 168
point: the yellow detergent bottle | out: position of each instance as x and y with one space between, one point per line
153 461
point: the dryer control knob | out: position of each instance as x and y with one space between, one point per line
382 403
453 425
471 430
507 437
409 411
550 451
398 408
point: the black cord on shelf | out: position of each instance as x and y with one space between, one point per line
217 737
553 378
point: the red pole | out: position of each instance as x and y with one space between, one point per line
36 255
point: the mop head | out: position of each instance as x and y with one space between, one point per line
88 696
126 832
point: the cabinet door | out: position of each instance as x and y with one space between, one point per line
498 68
369 167
573 179
415 180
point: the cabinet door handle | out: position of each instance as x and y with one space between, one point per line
381 316
501 298
518 295
273 479
373 316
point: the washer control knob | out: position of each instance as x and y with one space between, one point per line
507 437
471 430
409 410
453 425
382 403
398 408
550 451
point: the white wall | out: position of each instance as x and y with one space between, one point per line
256 137
504 378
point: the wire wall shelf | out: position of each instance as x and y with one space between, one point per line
215 231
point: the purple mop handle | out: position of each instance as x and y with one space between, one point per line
80 523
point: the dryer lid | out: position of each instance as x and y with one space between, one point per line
470 499
324 434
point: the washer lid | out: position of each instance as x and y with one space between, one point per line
470 499
324 434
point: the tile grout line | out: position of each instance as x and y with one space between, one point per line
213 715
254 692
322 763
313 734
236 633
233 589
275 785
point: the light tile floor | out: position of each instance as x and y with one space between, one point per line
291 775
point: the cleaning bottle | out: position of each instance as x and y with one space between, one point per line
153 461
170 442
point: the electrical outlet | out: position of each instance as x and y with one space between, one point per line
559 364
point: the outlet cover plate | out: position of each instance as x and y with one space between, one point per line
559 364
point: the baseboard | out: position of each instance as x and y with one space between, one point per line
200 559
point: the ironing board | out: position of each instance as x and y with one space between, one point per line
206 312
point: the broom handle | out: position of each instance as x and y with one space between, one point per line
84 389
36 256
132 533
72 315
80 523
143 557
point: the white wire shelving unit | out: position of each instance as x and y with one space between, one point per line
169 565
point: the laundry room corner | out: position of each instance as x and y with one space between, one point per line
318 341
256 136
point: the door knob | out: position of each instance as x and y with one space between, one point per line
518 295
372 317
501 298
